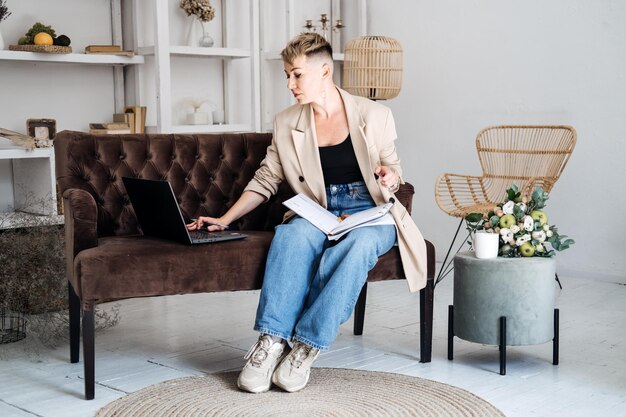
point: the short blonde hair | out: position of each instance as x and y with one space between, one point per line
309 44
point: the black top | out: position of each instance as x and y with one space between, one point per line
339 163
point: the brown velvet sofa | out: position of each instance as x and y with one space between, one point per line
109 259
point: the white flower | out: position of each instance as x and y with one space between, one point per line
539 235
506 234
523 239
549 233
522 206
515 228
529 223
540 248
546 227
508 207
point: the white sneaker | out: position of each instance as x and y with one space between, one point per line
294 370
263 358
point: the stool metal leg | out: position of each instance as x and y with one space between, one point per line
450 331
555 341
503 345
447 266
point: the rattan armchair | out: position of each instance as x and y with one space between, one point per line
529 156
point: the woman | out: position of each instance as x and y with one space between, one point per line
339 150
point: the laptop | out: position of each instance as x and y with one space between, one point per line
159 215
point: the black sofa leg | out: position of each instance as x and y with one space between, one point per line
74 305
359 311
426 321
89 353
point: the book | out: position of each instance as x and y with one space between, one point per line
334 227
139 114
102 48
120 53
109 131
110 126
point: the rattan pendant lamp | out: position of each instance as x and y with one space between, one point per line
372 67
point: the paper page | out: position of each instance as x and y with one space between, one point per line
362 217
313 212
386 219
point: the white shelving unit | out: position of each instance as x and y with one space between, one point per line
34 188
33 183
164 52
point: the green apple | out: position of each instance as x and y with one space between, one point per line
507 221
539 216
527 249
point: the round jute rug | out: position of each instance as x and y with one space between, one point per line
330 392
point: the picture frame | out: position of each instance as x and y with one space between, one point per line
43 130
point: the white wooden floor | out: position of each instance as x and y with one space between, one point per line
169 337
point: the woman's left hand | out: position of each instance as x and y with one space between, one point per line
387 177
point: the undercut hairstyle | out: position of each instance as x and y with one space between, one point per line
309 44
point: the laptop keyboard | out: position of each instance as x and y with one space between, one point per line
204 234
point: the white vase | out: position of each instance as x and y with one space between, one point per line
486 245
206 40
1 39
194 32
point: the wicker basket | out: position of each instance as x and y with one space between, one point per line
373 67
49 49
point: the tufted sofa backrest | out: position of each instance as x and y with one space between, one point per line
208 173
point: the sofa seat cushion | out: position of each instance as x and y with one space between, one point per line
139 266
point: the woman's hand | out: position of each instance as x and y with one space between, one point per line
212 224
387 177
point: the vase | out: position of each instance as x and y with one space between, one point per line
486 245
206 40
194 32
1 40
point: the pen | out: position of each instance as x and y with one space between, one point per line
213 224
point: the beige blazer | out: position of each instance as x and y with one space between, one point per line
293 156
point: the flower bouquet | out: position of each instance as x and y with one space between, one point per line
202 9
522 225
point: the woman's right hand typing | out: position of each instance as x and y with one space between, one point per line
210 223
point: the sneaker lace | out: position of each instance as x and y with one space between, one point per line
258 352
302 352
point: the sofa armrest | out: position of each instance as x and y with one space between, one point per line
81 221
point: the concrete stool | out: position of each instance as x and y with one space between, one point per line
504 301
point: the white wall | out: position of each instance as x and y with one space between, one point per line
471 64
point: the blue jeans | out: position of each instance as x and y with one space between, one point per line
311 285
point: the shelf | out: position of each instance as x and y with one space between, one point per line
21 153
199 52
205 128
91 59
275 55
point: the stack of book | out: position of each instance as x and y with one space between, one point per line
107 49
133 120
114 128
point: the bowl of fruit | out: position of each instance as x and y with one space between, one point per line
42 38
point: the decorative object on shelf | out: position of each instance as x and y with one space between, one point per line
16 139
4 13
325 30
373 67
203 13
42 38
218 117
522 226
43 130
198 117
49 49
